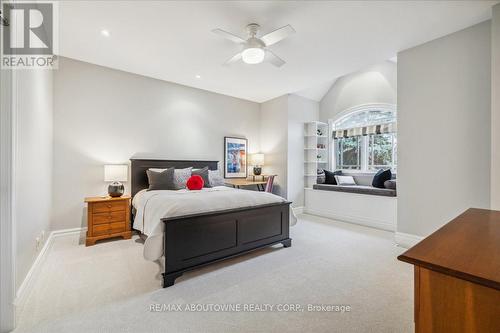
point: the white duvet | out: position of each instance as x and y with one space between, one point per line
152 206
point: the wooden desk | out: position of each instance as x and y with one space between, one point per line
238 183
263 177
457 275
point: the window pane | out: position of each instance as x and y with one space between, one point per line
380 151
365 118
348 153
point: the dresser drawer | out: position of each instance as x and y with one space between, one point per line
104 207
108 228
100 218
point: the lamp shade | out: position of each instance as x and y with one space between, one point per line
257 159
115 172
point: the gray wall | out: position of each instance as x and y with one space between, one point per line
105 116
375 84
495 108
274 140
300 111
33 165
282 142
443 129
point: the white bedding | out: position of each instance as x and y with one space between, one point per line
151 206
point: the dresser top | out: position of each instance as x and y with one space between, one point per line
468 247
107 198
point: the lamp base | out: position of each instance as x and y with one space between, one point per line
257 171
116 189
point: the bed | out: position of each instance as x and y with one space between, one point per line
192 239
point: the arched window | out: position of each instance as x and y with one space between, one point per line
364 138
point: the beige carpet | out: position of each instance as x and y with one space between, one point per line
110 288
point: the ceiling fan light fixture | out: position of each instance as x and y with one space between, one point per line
253 55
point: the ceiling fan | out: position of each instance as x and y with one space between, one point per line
256 49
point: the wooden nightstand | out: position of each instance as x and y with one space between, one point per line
107 217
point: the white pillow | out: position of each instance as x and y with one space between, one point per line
215 178
345 180
156 169
181 177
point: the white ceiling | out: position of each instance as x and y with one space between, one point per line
172 40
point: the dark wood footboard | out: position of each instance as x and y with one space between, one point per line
197 240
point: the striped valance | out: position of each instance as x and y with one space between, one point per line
365 130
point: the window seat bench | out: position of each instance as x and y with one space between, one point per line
359 189
360 204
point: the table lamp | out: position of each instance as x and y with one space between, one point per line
115 174
257 162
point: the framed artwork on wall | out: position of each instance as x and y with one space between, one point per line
235 157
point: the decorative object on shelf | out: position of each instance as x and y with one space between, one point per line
319 157
115 173
319 132
257 160
321 146
235 157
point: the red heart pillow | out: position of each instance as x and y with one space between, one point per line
195 182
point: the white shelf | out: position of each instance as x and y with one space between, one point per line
317 123
313 139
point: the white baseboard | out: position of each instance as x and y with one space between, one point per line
406 240
298 210
65 232
27 284
384 225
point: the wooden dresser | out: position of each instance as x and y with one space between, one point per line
107 217
457 275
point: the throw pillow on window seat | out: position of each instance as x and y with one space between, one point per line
390 184
330 176
380 177
345 180
320 178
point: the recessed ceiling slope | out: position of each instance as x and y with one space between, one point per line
172 40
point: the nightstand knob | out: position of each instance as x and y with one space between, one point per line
109 216
109 206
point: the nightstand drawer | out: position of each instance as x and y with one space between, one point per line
101 218
104 207
108 228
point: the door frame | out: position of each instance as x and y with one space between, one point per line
8 98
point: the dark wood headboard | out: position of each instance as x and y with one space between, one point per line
139 167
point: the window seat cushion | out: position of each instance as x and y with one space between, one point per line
359 189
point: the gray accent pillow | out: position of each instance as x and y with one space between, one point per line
161 180
390 184
320 179
204 174
181 177
215 178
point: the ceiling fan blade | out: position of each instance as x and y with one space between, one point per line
274 59
229 36
233 59
277 35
